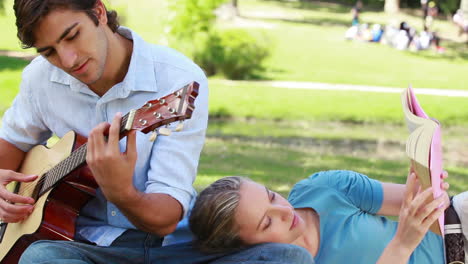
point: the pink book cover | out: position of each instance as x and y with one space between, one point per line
435 158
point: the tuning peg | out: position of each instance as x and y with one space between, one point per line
153 136
179 127
165 131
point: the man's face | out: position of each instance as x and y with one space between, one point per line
71 41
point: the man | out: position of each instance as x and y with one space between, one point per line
89 72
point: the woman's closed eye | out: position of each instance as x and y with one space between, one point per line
268 224
272 197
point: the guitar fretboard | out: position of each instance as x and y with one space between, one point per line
77 158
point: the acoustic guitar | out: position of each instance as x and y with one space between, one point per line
65 184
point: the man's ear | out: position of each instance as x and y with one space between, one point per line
101 12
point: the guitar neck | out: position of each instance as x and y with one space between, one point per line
76 159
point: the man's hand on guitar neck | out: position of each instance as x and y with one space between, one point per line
14 207
112 169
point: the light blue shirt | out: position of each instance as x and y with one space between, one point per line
350 230
52 102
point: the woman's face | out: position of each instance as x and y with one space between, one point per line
264 216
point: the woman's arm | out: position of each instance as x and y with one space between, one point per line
394 193
392 198
415 218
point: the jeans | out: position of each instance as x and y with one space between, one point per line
138 247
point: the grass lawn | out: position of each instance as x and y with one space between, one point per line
10 75
279 166
259 101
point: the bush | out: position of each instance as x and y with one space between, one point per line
208 52
243 54
234 53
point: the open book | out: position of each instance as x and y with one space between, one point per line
424 148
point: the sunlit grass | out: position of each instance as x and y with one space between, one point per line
261 101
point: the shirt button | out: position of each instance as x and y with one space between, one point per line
113 213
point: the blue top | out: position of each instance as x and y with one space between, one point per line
350 230
51 101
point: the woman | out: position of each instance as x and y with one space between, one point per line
335 215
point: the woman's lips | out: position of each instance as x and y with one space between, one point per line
294 221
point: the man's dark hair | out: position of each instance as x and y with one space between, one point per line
30 12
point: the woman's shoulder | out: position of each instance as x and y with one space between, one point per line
328 181
329 177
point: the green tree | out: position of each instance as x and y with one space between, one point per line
191 20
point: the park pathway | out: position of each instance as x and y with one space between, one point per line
303 85
348 87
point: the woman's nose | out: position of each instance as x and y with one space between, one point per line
283 211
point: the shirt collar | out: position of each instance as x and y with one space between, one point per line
140 76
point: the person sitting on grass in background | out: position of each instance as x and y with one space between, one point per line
338 216
355 11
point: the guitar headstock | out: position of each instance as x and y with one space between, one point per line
176 106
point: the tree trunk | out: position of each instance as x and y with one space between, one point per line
236 7
464 8
392 6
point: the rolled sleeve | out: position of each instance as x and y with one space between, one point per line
363 192
174 161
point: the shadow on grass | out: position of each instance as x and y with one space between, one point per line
454 51
307 21
336 6
9 63
332 7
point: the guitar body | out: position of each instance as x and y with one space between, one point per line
55 212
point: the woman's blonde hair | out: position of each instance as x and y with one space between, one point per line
212 217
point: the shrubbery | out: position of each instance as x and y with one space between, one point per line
234 53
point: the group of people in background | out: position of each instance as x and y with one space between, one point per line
402 36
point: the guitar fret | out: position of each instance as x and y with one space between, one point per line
52 177
68 163
45 184
73 160
58 172
63 168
